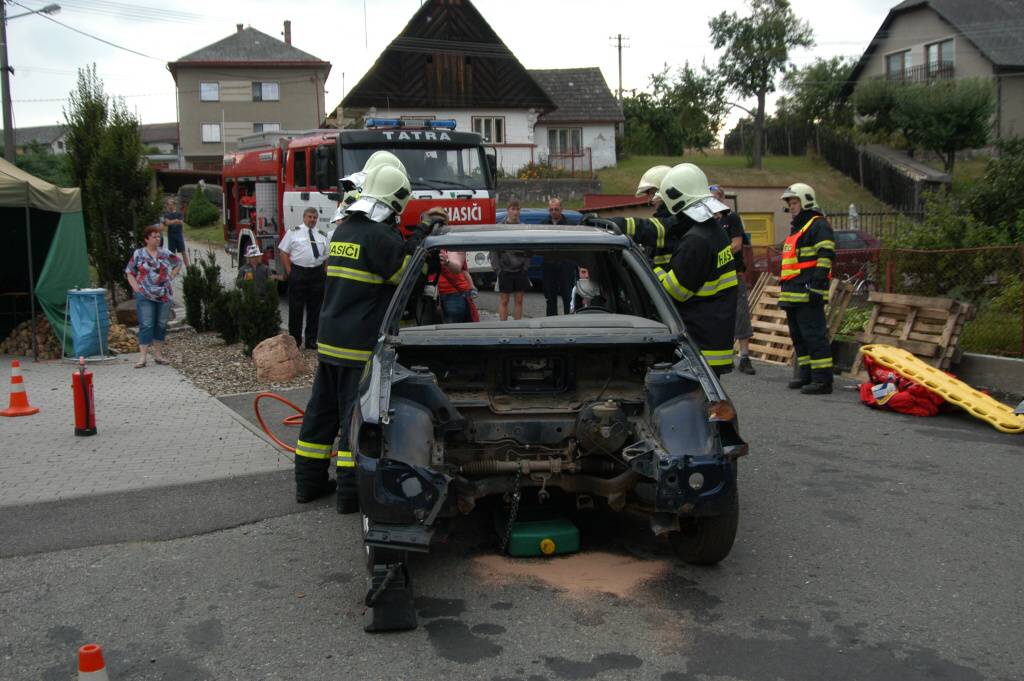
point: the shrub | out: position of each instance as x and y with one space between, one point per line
224 315
193 285
259 317
543 171
201 212
212 287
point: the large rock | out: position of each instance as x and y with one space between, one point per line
277 359
125 313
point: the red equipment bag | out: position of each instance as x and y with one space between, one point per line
886 389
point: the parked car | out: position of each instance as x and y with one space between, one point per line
480 261
612 406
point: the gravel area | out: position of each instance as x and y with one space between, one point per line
222 369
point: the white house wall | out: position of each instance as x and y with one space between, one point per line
600 137
514 154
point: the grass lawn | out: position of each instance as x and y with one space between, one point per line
965 173
213 234
835 190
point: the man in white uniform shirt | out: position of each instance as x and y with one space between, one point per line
303 252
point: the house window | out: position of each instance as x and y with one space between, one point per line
209 92
939 56
265 92
266 127
211 132
491 128
299 169
896 65
565 140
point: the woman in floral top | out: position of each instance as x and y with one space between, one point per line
150 272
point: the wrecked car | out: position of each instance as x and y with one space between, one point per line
611 406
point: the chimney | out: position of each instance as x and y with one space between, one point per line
239 27
287 32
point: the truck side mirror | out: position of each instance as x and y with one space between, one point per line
323 157
491 154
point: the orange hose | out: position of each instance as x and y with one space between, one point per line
293 420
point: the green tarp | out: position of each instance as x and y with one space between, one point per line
66 267
43 220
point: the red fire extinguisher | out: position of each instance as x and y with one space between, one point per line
85 406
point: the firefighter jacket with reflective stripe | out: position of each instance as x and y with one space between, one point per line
657 235
366 261
807 257
701 280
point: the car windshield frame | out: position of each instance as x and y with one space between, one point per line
465 165
633 259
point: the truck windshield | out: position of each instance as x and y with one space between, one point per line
443 168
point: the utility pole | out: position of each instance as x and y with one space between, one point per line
10 153
618 44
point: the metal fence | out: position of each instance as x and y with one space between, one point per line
577 163
882 225
991 279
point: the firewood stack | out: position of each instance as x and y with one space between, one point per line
19 342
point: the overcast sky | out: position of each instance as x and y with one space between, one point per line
542 34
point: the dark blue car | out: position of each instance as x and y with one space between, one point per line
480 262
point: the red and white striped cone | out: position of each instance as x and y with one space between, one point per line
91 666
19 405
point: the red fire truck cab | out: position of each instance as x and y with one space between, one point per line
274 177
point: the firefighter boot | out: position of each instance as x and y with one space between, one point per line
802 379
348 491
816 388
311 480
746 367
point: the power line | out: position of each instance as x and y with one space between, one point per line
89 35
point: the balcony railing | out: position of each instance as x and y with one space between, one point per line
923 74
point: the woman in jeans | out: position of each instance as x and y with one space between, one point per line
150 272
455 288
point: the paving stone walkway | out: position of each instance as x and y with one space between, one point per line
154 429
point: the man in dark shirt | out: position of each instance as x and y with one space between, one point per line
733 225
173 221
559 274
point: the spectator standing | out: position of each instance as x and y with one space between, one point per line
304 251
512 269
733 225
454 287
173 220
150 272
559 274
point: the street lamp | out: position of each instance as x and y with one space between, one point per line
10 153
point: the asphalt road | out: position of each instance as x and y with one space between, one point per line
871 546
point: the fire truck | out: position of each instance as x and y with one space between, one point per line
274 176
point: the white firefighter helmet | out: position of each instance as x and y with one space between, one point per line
253 251
383 158
651 179
685 189
386 192
804 192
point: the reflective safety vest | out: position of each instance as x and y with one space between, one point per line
791 263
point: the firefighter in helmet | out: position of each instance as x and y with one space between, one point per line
806 273
653 234
367 258
352 185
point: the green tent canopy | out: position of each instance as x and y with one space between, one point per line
43 232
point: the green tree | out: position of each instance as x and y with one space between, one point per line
682 111
813 93
946 116
85 118
875 102
105 158
756 50
996 199
118 186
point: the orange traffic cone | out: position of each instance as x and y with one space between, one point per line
90 663
19 398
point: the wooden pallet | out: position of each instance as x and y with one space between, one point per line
929 328
771 342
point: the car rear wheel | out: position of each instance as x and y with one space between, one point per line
706 541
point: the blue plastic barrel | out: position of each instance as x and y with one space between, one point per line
88 321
